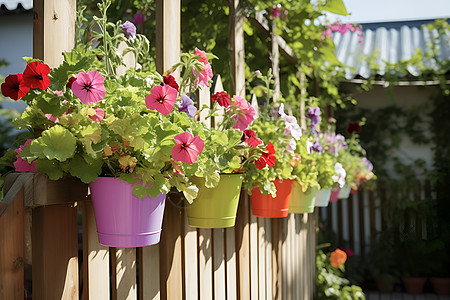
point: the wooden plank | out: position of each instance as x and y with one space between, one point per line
268 232
351 233
170 252
231 264
96 258
284 258
340 230
168 35
125 270
204 98
205 263
236 30
12 253
261 259
274 58
219 264
276 259
53 29
372 217
55 252
217 87
150 275
361 221
191 260
253 256
242 244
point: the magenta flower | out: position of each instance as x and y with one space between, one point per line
161 99
245 116
89 87
138 19
23 165
203 59
187 148
99 115
51 118
204 76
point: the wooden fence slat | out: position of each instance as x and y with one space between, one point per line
361 221
243 247
55 252
191 260
150 275
125 269
284 258
219 264
236 29
268 242
170 253
261 258
276 258
253 256
231 264
205 263
95 258
12 253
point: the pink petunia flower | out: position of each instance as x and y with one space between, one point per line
187 148
99 115
52 118
204 76
203 59
246 114
23 165
161 99
89 87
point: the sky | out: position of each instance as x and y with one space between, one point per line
366 11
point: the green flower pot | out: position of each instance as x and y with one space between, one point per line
217 207
302 202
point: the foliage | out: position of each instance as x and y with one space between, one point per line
331 282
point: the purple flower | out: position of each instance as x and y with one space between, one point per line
314 115
313 130
128 29
276 11
317 147
368 165
340 141
138 19
187 106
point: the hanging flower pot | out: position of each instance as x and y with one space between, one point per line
334 195
302 202
123 219
344 193
216 207
352 191
323 197
268 207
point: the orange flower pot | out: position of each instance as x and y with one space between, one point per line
268 207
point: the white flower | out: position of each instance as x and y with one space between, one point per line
292 146
340 175
292 127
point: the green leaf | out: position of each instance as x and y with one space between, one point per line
55 143
140 190
161 185
336 7
50 167
86 172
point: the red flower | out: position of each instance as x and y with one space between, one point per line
222 98
36 75
251 139
170 80
69 83
14 87
353 128
267 158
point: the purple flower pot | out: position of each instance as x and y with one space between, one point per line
124 220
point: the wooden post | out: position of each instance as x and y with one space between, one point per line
168 18
236 30
275 57
54 232
12 252
53 29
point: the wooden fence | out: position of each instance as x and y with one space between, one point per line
356 221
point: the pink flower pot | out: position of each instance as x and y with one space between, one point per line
334 195
124 220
